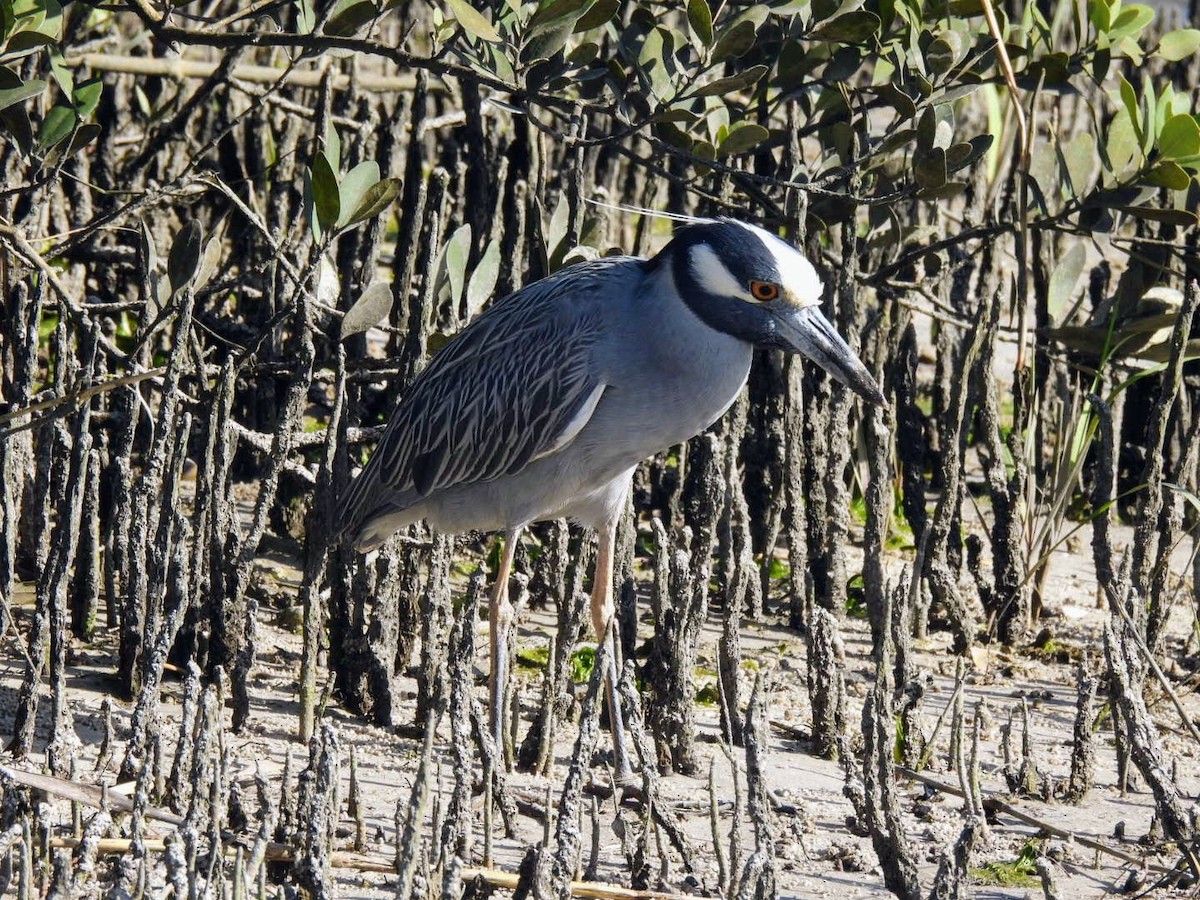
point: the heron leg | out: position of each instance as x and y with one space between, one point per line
603 611
500 622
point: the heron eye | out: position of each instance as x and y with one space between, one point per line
764 290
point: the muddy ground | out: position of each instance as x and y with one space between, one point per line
817 850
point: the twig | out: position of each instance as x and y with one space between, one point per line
996 805
378 862
82 394
181 69
1116 604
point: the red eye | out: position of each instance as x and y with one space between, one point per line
764 290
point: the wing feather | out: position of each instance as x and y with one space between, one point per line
517 384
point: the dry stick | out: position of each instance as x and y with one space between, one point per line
408 850
826 682
21 248
1146 535
75 398
756 736
1145 748
996 806
1010 594
454 837
44 637
974 794
1119 607
61 562
316 561
735 825
881 804
631 701
953 879
679 607
318 809
714 815
934 566
85 604
489 754
1083 749
567 835
87 794
1024 136
180 69
363 862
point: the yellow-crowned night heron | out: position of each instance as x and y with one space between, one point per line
543 406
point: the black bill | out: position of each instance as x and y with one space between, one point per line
806 331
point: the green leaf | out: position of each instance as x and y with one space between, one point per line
1122 146
556 230
333 147
154 278
944 51
651 62
1130 22
927 129
673 135
546 70
929 168
1179 45
184 259
734 83
86 96
355 186
376 199
966 8
483 279
601 13
583 663
1129 98
473 22
28 40
327 202
1098 12
555 14
852 28
56 127
583 54
60 71
84 135
209 259
349 16
704 150
1078 161
965 154
458 248
51 25
898 100
742 137
1180 138
1181 217
947 191
369 310
1169 175
735 41
19 93
700 18
1064 278
896 140
15 121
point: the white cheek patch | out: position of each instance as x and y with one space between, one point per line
797 275
712 274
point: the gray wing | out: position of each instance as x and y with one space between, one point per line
516 384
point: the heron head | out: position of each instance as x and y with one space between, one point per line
746 282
